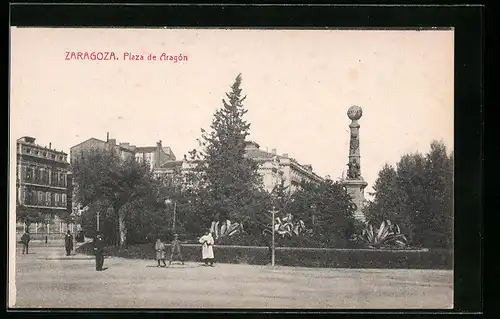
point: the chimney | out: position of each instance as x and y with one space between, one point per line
50 145
107 137
158 144
112 141
274 151
285 155
132 148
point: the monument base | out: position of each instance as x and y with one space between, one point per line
356 188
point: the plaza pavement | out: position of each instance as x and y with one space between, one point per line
46 278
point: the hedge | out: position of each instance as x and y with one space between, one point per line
301 257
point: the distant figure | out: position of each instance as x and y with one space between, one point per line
176 249
26 240
68 243
207 250
99 252
160 252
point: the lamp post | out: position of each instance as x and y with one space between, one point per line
97 220
47 222
170 201
273 212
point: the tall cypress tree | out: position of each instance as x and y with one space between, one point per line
229 178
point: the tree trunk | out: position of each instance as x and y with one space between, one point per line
122 228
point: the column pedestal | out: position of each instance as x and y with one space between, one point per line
356 188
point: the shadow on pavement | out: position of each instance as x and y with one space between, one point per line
178 266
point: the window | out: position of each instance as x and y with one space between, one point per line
29 174
28 196
36 176
63 199
56 200
23 173
47 199
23 195
40 198
53 178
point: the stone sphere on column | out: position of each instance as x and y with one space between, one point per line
355 112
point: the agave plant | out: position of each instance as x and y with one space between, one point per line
287 227
225 229
388 234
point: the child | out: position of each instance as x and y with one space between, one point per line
160 252
176 249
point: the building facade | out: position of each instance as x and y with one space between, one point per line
41 184
155 156
273 168
124 150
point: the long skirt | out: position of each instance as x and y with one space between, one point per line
207 252
160 254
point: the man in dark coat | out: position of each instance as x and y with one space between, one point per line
68 243
26 240
99 252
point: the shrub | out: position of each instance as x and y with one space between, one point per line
302 257
387 235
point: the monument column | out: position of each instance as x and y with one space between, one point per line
354 182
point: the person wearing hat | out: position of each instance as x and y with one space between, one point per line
176 249
99 252
68 243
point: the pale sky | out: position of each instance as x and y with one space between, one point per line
299 85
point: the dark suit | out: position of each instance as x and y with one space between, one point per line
68 243
99 253
26 240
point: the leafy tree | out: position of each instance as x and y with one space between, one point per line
102 177
386 188
437 219
28 215
226 180
325 207
418 196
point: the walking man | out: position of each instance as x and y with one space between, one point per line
68 243
207 250
26 240
176 249
99 252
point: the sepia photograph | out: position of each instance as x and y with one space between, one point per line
203 168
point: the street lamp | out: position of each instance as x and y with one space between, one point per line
273 212
170 201
97 220
47 222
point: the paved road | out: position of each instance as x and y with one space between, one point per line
47 278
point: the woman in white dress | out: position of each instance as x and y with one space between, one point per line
207 250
